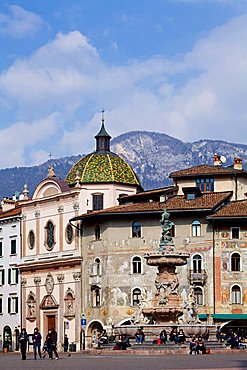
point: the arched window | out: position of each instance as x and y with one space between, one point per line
236 294
136 265
96 298
197 263
196 228
97 267
49 235
97 232
69 233
235 262
136 229
136 296
198 293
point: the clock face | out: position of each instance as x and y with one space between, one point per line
69 233
50 240
31 239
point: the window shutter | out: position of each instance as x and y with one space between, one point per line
16 276
16 304
9 276
9 305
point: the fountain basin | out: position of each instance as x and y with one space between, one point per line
166 259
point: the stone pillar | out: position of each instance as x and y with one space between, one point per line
61 227
37 281
60 279
24 235
37 216
77 278
77 236
24 300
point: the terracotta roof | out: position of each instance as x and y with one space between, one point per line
206 170
208 201
233 209
149 193
11 213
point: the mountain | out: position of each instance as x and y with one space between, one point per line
152 155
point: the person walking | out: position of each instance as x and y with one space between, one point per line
66 343
23 339
36 337
53 344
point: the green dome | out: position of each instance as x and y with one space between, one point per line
100 167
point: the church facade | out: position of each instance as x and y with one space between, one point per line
52 269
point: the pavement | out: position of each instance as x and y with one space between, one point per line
79 360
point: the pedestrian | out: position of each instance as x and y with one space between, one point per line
139 336
181 336
66 343
163 336
23 339
52 339
200 346
36 337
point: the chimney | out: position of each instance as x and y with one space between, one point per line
238 163
217 160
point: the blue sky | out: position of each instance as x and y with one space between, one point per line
172 66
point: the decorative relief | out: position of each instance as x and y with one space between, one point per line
49 302
37 280
225 234
77 276
23 282
60 278
60 209
37 214
49 284
76 206
24 217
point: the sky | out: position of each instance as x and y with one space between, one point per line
172 66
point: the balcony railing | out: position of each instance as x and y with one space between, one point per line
198 277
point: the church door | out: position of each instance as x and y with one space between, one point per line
51 322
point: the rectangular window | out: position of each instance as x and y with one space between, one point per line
13 305
13 275
97 202
13 246
235 233
1 248
205 184
1 305
2 277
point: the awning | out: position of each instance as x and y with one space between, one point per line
202 316
229 316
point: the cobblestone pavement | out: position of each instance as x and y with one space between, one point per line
79 361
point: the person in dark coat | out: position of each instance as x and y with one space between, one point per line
23 339
66 343
52 339
36 337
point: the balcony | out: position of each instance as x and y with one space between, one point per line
197 277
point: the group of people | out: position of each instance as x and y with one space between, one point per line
197 345
50 344
234 339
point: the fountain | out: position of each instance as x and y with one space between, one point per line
167 308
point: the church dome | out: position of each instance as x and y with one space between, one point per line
102 166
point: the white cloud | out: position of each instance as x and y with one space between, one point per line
203 95
20 136
19 22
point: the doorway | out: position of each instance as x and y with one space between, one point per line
51 321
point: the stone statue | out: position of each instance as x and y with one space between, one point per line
189 310
31 309
166 225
